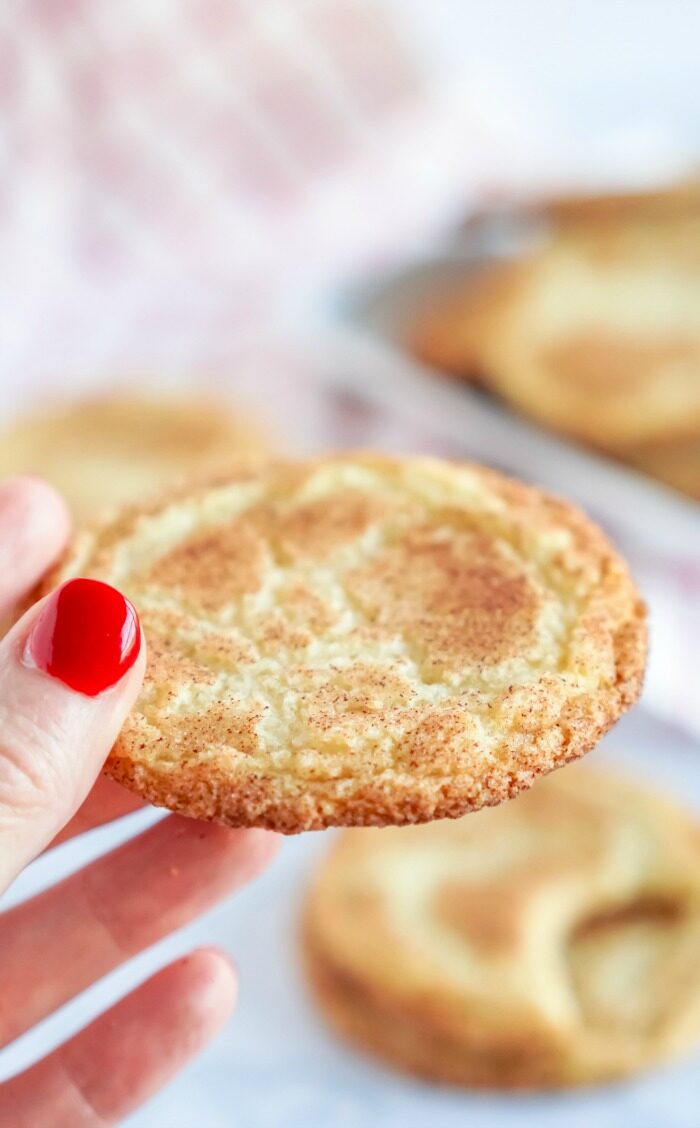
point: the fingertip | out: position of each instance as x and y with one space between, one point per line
262 844
251 848
255 842
212 859
210 965
209 977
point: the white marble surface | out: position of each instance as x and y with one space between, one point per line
274 1065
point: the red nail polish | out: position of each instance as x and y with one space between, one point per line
87 635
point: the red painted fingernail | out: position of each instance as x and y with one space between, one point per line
87 635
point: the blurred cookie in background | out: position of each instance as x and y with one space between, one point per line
678 465
552 942
448 334
596 332
104 452
673 201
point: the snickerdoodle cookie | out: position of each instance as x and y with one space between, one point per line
677 465
364 640
594 333
121 448
552 942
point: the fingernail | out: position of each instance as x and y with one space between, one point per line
87 635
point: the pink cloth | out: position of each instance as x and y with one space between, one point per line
179 173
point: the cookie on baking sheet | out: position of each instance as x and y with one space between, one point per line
112 450
364 640
552 942
447 334
677 464
660 204
595 333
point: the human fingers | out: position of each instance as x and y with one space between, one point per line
121 1059
113 908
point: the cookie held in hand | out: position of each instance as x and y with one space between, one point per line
360 640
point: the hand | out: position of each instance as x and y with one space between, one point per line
54 739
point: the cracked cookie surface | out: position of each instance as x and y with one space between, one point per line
364 640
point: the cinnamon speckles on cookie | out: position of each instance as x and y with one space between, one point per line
364 640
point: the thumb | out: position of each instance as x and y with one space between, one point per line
70 670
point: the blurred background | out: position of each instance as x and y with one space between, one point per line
221 201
